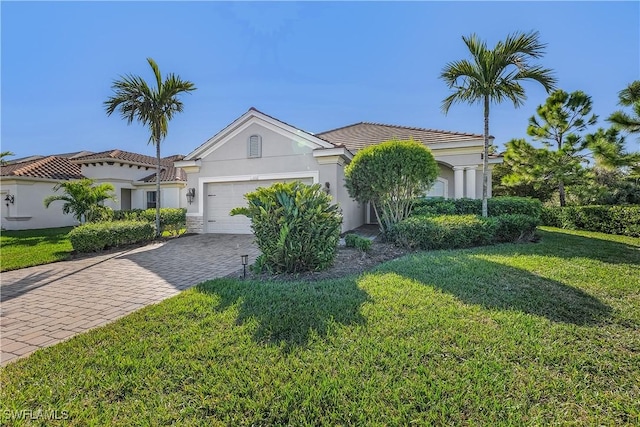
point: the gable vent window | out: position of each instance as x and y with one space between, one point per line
255 147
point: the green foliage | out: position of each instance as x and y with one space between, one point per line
172 220
517 188
628 97
496 206
358 242
623 220
296 227
82 198
515 228
493 76
444 232
152 107
391 175
98 236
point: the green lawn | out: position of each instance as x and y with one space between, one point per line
19 249
527 334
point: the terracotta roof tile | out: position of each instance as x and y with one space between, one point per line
51 167
126 156
167 174
360 135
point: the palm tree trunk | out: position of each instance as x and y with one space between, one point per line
485 159
158 231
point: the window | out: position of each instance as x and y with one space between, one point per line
439 188
151 199
254 149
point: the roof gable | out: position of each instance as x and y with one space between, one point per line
360 135
247 119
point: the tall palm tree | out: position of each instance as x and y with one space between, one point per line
493 76
82 198
152 107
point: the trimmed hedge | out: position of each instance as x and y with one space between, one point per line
496 206
94 237
462 231
171 219
358 242
624 220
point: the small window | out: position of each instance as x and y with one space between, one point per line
151 199
255 147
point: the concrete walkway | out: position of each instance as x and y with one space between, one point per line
44 305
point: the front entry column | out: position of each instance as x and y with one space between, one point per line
458 182
471 182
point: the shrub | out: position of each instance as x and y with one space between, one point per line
496 205
391 175
296 227
358 242
515 228
171 219
624 220
98 236
444 231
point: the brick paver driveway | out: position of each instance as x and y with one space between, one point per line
46 304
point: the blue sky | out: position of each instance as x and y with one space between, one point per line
316 66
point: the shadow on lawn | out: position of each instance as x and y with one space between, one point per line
290 313
492 285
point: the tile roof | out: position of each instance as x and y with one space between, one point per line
126 156
51 167
360 135
167 174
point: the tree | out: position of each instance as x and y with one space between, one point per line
628 97
493 76
82 198
391 175
152 107
3 155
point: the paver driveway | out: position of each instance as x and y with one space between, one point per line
46 304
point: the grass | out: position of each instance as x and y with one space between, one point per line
525 334
26 248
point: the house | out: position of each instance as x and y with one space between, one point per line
257 150
24 184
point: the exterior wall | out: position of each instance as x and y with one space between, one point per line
447 173
171 196
28 211
353 213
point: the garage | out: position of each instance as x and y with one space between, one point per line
224 196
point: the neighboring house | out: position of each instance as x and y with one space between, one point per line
24 184
257 150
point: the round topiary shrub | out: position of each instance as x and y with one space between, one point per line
297 228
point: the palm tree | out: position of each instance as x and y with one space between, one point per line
152 107
3 155
494 75
82 198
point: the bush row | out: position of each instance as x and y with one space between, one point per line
623 220
495 205
462 231
97 236
171 219
358 242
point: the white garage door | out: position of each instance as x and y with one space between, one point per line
224 196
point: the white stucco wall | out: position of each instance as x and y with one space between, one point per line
28 211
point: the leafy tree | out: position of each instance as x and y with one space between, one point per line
82 198
560 162
152 107
3 155
493 76
519 189
391 175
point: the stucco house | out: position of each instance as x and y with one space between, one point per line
24 183
257 150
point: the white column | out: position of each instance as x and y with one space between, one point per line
471 182
458 182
